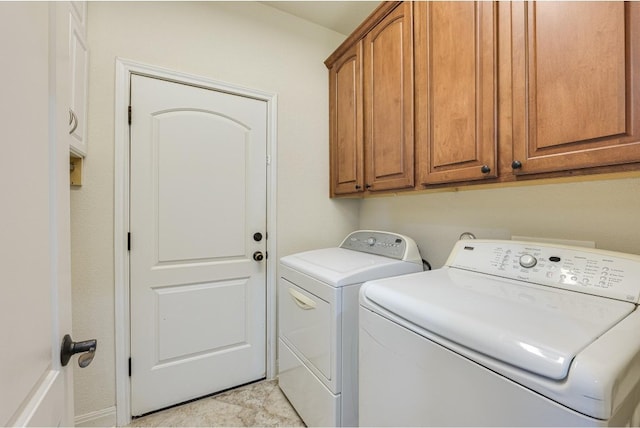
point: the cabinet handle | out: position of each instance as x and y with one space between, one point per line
73 119
516 164
485 169
301 300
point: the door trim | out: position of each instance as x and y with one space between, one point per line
124 69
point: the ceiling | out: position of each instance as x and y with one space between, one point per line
340 16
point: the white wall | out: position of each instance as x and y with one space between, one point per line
244 43
604 211
253 45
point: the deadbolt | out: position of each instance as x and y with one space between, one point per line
257 236
258 256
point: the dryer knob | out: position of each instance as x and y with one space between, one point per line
371 241
528 261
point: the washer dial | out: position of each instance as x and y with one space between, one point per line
528 261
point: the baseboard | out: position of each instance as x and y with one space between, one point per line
100 418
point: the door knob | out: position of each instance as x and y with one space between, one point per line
258 256
69 348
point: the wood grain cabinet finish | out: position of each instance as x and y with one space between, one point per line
455 97
346 126
388 97
576 85
504 91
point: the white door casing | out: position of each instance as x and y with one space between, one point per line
35 306
198 195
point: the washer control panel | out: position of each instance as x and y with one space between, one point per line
384 244
603 273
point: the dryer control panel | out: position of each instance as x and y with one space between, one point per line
386 244
591 271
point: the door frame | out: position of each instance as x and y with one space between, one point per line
124 69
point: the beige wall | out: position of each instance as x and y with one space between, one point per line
604 211
249 44
244 43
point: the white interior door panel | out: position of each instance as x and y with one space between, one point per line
198 194
35 301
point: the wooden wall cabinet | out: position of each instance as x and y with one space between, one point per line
371 105
576 85
345 120
388 97
504 91
456 101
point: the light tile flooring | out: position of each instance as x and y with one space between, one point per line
260 404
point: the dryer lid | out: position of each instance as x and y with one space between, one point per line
532 327
339 266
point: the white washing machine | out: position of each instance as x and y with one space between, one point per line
506 334
318 320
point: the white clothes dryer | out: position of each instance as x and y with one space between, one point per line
318 320
505 334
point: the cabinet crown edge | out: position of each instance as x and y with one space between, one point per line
374 17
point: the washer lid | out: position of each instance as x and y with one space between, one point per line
532 327
338 266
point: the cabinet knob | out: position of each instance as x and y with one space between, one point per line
358 187
367 186
516 164
485 169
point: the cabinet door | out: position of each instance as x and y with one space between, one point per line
576 84
456 107
388 94
79 57
79 12
345 118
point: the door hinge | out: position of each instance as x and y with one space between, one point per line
128 241
129 114
129 366
268 159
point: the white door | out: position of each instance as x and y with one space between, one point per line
35 301
197 197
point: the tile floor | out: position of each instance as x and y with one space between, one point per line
260 404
